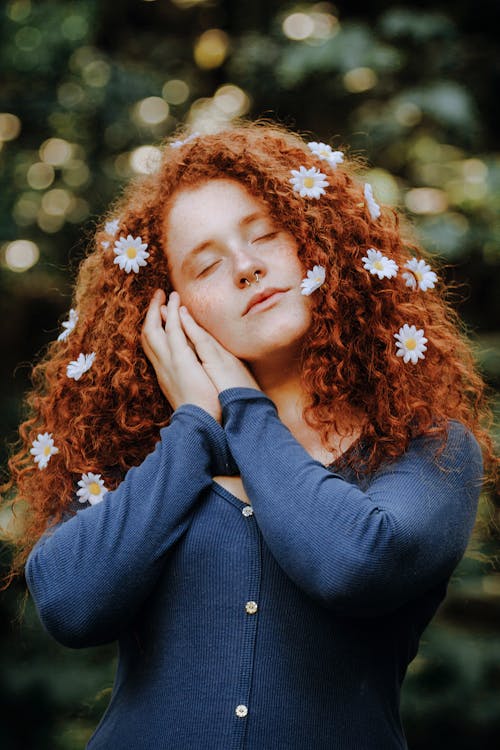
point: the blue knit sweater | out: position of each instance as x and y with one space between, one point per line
284 625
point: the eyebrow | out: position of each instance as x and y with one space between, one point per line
206 243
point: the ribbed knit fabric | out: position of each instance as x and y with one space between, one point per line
285 625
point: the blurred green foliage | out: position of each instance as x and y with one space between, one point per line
89 88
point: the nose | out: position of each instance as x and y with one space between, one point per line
246 265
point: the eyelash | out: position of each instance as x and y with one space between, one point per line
266 236
207 269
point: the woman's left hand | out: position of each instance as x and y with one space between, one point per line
223 368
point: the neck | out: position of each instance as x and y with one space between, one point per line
281 381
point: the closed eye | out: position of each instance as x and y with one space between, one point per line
268 236
207 268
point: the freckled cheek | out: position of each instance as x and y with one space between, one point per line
207 309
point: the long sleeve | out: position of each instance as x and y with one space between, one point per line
89 574
361 553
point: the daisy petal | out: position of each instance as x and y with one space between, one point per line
68 325
421 275
410 343
77 367
92 489
324 151
43 448
130 253
313 280
309 183
379 265
372 205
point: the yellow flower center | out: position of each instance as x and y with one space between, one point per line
324 152
131 252
94 488
46 450
418 275
378 265
317 278
410 344
308 182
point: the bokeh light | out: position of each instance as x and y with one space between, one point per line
360 79
145 159
76 173
188 3
57 202
175 91
18 10
232 100
426 200
96 73
74 27
26 208
20 255
55 151
28 38
407 114
298 26
10 126
40 175
318 24
211 49
70 94
151 110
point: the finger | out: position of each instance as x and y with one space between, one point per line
152 327
206 345
153 312
177 340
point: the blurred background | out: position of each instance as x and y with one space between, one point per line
87 91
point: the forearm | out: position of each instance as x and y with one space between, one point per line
358 552
89 575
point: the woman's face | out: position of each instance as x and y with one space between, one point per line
218 235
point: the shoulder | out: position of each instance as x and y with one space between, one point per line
455 451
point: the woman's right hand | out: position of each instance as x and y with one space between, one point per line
180 375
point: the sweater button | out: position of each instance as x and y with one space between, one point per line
241 711
251 607
247 511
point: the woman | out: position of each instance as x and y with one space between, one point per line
255 453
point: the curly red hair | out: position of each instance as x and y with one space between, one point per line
109 420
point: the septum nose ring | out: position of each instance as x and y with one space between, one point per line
256 274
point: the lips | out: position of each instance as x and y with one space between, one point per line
262 296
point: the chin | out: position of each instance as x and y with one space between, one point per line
272 349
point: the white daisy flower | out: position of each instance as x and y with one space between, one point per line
69 325
111 227
130 253
92 489
313 281
178 144
43 449
324 151
77 367
379 265
373 206
411 343
310 183
421 275
105 244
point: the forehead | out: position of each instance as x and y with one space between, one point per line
223 194
206 212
